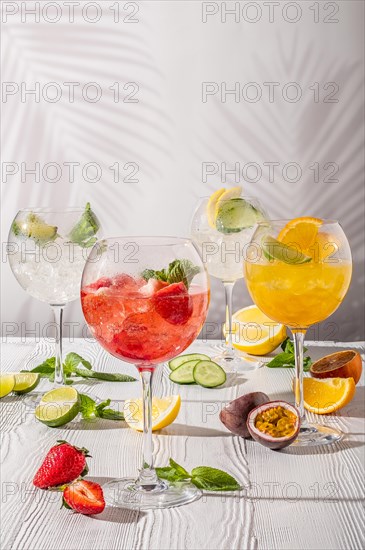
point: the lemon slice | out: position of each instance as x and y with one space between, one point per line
26 382
232 193
164 412
59 406
7 383
211 206
255 333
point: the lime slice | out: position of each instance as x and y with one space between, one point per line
7 382
275 250
35 228
235 215
26 382
57 407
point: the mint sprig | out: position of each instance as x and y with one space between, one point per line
83 232
72 369
203 477
90 410
286 359
177 271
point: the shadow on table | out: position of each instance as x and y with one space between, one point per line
342 445
124 516
98 424
192 431
356 407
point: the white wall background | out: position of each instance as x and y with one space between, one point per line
170 132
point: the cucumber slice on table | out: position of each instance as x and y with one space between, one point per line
178 361
184 373
209 374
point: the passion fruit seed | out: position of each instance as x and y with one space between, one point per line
277 422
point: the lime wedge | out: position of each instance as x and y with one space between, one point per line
275 250
25 382
35 228
235 215
57 407
7 382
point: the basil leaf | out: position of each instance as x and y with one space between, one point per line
212 479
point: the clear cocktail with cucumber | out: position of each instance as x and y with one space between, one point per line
222 227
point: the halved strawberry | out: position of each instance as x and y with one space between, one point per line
63 463
85 497
174 304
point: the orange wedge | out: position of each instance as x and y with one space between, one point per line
301 232
327 395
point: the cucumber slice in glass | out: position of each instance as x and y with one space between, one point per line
184 373
209 374
178 361
235 215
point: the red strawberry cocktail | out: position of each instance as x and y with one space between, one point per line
145 300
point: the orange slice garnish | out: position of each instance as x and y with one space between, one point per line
301 232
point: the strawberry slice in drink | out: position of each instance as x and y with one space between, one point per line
103 282
174 304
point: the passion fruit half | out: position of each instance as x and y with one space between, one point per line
234 415
275 424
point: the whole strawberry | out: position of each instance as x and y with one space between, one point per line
85 497
63 463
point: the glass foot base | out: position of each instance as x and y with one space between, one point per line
126 493
233 363
312 435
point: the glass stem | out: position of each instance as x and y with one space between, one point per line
147 476
298 336
58 373
228 287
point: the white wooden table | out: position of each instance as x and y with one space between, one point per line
297 498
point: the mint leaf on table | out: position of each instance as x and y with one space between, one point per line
71 368
179 469
203 477
45 369
89 409
108 376
72 360
169 473
178 270
212 479
286 359
83 232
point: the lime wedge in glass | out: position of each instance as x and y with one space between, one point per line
234 215
58 407
7 383
26 382
35 228
275 250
